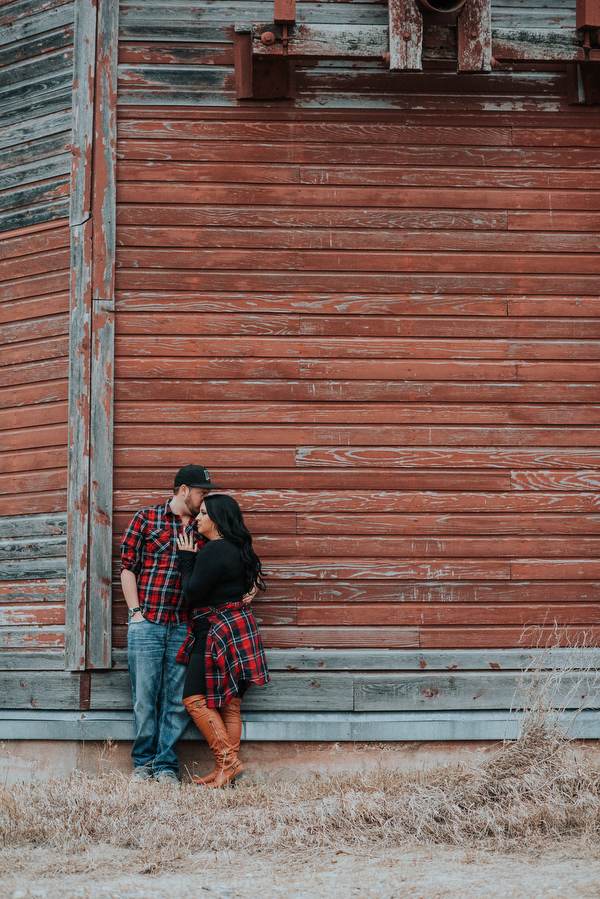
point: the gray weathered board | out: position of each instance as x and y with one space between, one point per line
300 726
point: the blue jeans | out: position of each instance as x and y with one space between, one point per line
159 716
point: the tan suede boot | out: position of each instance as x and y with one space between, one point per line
210 724
232 719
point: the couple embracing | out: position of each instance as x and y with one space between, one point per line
189 572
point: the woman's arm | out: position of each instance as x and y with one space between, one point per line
201 574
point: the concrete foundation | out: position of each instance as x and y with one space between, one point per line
40 760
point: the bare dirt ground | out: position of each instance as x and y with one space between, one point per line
566 871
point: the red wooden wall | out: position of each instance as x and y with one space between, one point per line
379 331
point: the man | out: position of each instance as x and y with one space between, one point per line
158 619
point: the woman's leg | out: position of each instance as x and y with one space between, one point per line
195 685
210 724
232 719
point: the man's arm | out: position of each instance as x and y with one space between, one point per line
129 584
131 549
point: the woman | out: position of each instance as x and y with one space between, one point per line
223 650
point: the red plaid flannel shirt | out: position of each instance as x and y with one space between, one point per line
234 651
149 549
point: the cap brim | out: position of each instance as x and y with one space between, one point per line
205 486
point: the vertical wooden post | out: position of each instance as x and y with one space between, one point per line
91 328
475 37
406 35
102 373
80 217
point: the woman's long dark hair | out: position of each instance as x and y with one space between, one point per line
227 516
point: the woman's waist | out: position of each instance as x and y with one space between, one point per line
211 611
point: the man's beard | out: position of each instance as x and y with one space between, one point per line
192 509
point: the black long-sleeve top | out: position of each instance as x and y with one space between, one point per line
214 576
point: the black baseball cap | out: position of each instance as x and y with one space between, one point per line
194 476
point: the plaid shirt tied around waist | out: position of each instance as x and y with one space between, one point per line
234 651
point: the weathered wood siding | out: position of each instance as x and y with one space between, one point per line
36 73
372 311
34 332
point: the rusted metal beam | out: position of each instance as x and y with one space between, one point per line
326 41
372 42
242 56
258 76
588 14
475 37
285 12
405 35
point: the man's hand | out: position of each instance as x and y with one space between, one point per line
186 543
248 597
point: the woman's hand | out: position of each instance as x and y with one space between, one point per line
186 543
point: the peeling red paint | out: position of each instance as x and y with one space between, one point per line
430 693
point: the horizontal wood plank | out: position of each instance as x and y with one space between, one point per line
406 614
285 499
467 690
326 524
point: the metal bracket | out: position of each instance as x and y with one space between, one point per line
257 76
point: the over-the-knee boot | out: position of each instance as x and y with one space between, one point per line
210 724
232 719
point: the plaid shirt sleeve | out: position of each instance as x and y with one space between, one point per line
131 545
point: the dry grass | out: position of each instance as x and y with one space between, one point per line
531 792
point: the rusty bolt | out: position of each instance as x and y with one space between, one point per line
473 34
268 38
386 58
406 35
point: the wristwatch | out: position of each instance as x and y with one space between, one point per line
131 613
